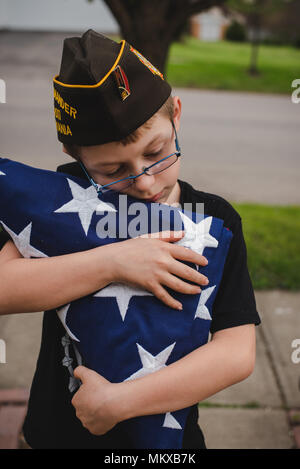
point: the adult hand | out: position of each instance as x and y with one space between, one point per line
96 401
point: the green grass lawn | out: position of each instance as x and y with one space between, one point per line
223 66
272 239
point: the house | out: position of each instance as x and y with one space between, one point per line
210 25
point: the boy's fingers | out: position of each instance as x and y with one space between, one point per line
180 286
164 235
164 296
185 254
184 272
172 235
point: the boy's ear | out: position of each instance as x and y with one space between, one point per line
177 111
64 149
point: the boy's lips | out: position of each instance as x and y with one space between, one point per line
154 198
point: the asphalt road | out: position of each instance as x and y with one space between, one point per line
242 146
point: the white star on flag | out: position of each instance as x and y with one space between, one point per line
171 422
150 362
62 314
202 310
197 235
123 294
2 174
85 202
22 242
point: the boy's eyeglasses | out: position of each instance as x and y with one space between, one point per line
155 168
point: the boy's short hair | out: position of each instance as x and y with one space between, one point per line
166 110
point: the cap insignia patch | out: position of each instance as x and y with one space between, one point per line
147 63
122 82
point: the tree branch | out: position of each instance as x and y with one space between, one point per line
192 7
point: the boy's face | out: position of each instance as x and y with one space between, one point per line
111 161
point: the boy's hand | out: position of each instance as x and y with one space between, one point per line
151 261
96 401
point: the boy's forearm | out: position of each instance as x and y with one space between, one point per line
195 377
30 285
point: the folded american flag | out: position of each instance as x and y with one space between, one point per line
122 332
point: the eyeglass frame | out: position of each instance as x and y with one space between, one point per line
99 188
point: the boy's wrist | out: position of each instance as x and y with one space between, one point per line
116 259
106 263
125 402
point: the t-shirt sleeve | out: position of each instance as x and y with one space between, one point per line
4 237
235 303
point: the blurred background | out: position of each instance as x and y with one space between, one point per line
236 66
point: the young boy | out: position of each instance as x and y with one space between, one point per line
116 117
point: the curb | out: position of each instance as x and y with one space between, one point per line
13 408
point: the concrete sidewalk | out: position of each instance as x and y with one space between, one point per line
13 408
262 412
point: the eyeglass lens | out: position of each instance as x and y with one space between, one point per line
157 168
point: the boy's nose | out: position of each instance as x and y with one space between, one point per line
144 182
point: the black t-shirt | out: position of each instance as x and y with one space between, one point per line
51 421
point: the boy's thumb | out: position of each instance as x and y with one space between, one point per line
83 373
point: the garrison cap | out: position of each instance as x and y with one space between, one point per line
104 91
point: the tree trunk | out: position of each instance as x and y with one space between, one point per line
253 69
152 26
150 36
255 21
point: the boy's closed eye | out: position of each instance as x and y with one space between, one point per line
114 173
153 154
121 169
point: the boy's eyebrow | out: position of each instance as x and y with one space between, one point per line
158 137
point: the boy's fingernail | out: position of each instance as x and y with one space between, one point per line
179 307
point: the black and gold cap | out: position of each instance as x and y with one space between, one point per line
104 91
